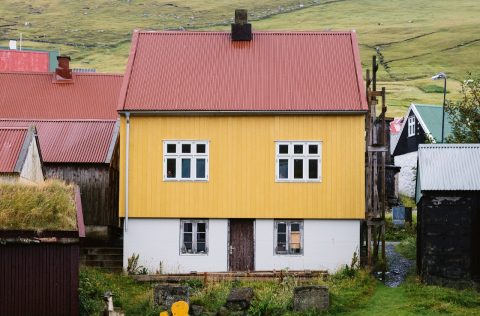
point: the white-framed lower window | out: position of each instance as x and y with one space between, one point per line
185 160
298 161
411 126
193 236
288 237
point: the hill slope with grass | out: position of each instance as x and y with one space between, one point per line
413 39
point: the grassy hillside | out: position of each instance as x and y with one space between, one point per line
416 38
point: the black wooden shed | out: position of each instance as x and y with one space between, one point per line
448 203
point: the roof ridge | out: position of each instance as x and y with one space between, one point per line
42 73
262 32
60 120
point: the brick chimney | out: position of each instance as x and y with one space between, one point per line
63 71
241 29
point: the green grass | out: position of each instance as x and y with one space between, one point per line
408 248
431 88
359 294
132 297
417 38
48 206
397 232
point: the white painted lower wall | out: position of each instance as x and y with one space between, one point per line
158 240
408 173
328 244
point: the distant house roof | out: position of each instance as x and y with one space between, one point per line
431 118
77 141
448 167
35 96
276 71
14 143
32 61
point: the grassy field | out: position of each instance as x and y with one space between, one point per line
350 294
415 38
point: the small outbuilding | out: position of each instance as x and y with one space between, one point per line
40 229
20 157
448 204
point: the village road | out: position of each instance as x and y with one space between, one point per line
398 266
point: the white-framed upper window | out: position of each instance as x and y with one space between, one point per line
288 237
411 126
194 236
298 161
185 160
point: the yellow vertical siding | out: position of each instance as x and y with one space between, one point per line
242 168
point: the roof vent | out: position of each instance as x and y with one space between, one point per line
241 29
63 71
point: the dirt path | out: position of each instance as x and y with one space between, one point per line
398 266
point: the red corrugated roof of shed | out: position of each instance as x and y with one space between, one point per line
35 96
78 141
276 71
13 60
11 142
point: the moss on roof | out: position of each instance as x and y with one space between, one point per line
48 206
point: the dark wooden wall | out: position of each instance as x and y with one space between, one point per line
407 144
39 279
448 237
98 184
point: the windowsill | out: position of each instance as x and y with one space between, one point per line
186 180
288 255
298 181
193 254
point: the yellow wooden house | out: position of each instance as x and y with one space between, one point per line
242 150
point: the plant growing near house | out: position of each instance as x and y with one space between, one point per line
133 267
465 113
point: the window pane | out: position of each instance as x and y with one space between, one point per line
281 247
298 149
282 227
295 227
201 227
187 237
283 168
313 168
201 168
171 168
283 149
187 227
201 247
298 169
185 168
186 148
188 247
171 148
313 149
282 238
201 148
201 237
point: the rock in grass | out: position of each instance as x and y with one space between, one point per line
239 299
314 297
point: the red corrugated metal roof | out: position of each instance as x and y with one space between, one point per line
35 96
13 60
276 71
11 142
72 141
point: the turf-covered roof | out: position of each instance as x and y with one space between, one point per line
47 206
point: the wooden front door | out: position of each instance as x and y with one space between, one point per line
241 256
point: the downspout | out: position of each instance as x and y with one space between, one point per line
127 148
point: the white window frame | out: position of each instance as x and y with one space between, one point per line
305 156
288 251
193 156
411 126
194 223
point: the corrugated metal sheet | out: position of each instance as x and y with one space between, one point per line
36 96
11 141
82 141
39 279
449 167
297 71
13 60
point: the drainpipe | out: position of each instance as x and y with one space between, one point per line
127 148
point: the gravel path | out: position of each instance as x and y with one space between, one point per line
398 266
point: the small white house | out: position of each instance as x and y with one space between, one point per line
20 156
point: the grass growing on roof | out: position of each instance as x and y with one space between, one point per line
48 206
